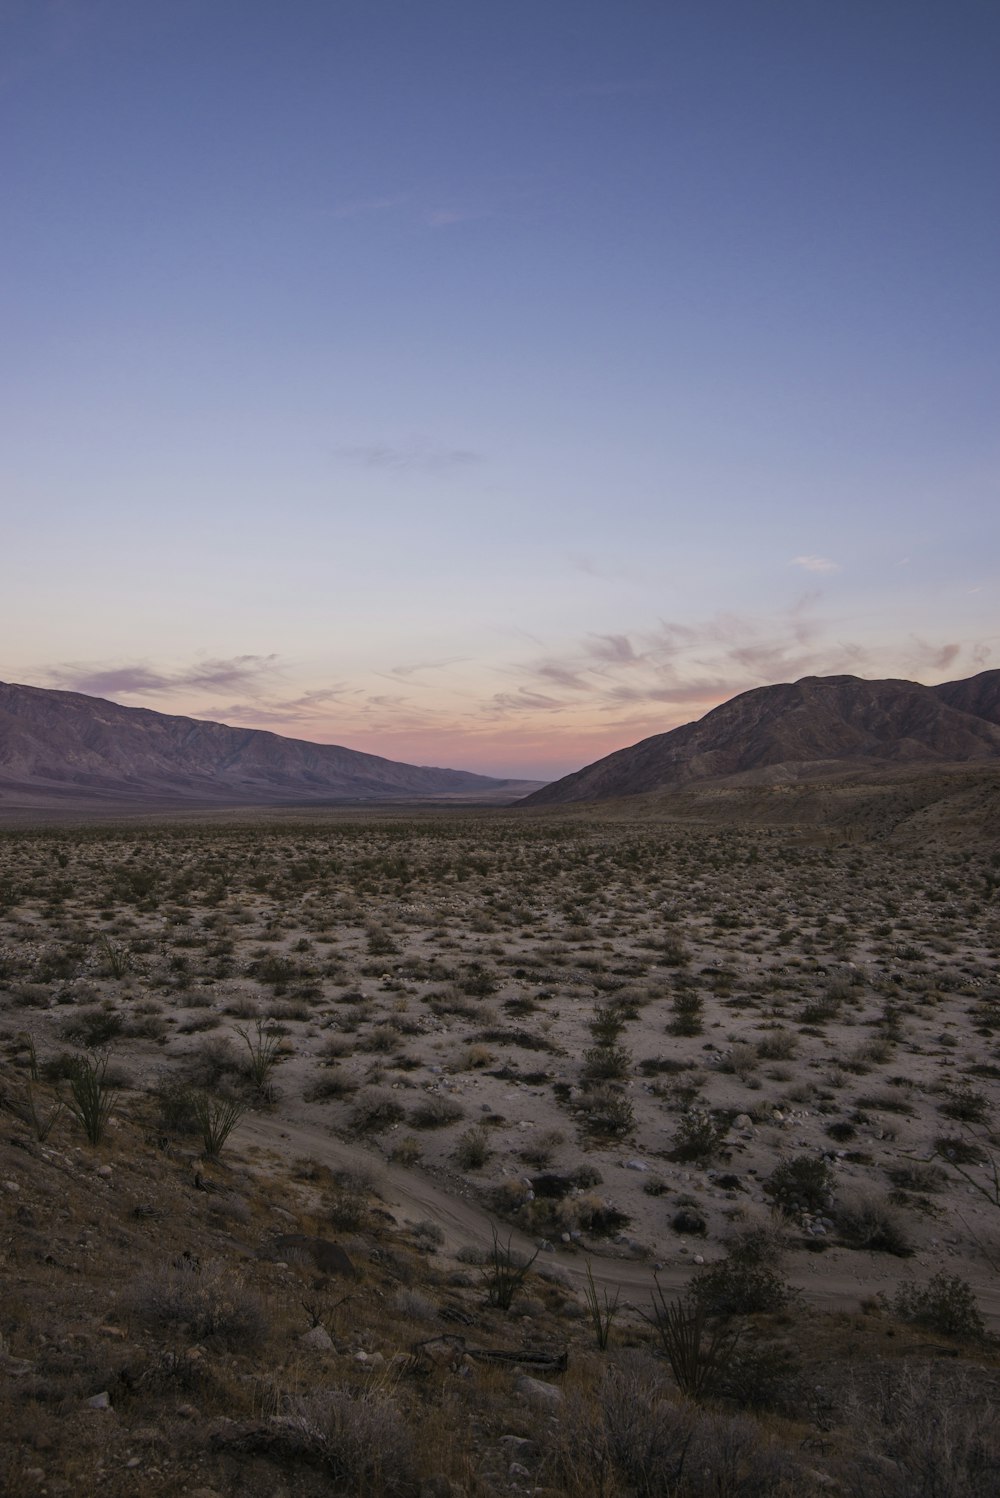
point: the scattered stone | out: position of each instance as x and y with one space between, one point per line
542 1395
438 1486
318 1338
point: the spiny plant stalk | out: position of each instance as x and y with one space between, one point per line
32 1057
697 1352
263 1045
24 1107
504 1277
91 1100
216 1119
602 1312
117 956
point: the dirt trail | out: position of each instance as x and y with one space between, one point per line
840 1280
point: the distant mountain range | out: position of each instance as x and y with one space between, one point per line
65 749
820 726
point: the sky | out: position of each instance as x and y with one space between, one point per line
495 385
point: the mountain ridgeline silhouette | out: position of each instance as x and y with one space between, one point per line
819 726
64 748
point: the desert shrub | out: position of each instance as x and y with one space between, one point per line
777 1045
435 1112
93 1027
965 1103
802 1184
608 1113
688 1009
374 1112
699 1135
210 1304
635 1438
175 1106
210 1064
869 1222
922 1433
956 1149
945 1304
598 1217
540 1148
334 1082
361 1439
473 1149
917 1175
606 1063
407 1151
746 1282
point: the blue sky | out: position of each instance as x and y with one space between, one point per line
496 385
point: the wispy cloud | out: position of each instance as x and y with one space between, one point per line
361 207
413 669
417 454
141 679
815 564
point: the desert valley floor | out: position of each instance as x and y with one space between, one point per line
627 1042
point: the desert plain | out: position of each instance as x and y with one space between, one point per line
607 1056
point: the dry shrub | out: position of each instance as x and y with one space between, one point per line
924 1432
212 1303
868 1222
359 1437
633 1437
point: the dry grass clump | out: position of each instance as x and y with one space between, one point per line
210 1303
360 1438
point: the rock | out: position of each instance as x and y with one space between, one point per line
100 1401
104 1171
318 1338
519 1448
542 1395
699 1258
440 1486
742 1121
636 1165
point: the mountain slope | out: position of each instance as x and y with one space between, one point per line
65 746
979 695
794 730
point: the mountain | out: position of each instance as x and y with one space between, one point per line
65 748
979 695
820 725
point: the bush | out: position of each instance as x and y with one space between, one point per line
946 1304
375 1112
868 1222
435 1112
608 1113
802 1184
740 1284
923 1433
361 1440
698 1136
212 1304
473 1149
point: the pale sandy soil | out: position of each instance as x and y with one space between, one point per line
463 959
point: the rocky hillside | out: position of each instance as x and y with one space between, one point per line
62 748
797 730
978 695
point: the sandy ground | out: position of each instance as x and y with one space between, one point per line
464 962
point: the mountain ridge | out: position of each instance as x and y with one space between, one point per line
58 746
795 730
